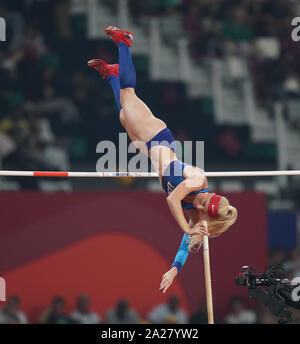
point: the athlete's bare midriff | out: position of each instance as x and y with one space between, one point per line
162 156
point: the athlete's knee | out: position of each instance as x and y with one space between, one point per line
122 118
127 91
126 95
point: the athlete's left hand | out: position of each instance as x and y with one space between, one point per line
168 279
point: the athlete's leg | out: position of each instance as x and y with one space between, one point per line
129 132
114 82
111 74
137 142
138 118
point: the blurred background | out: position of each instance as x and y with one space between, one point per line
89 250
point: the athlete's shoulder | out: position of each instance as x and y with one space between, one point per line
194 173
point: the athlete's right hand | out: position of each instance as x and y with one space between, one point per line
198 228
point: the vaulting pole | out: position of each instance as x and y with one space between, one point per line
208 286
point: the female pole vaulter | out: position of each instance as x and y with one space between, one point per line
186 185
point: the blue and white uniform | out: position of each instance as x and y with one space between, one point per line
172 177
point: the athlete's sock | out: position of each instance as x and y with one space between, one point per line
115 85
126 68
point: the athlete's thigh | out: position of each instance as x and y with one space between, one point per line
140 121
137 142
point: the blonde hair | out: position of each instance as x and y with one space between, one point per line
227 216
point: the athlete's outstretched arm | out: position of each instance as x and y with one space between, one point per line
178 263
174 203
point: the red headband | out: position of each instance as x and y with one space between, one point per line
213 206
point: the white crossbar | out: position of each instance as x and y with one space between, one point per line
143 174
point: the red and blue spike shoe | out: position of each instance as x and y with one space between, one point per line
104 68
118 35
